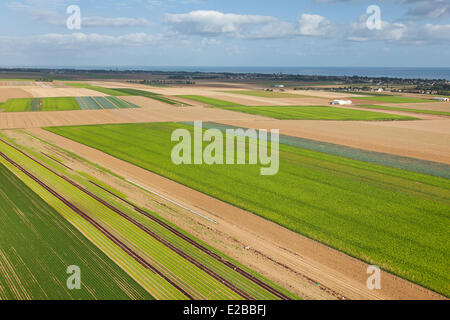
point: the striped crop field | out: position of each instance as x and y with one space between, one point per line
122 104
147 94
393 218
164 260
37 245
125 92
105 103
65 104
317 113
36 104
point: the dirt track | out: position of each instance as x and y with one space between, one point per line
298 255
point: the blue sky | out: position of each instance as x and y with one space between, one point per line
412 33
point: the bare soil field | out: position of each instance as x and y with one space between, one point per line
425 139
11 93
324 94
41 92
17 83
434 106
262 101
305 266
403 113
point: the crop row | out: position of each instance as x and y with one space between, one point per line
37 246
390 217
180 268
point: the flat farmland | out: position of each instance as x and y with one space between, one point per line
17 105
410 109
107 91
394 99
37 245
162 259
10 93
59 104
393 218
317 113
56 92
65 104
265 94
210 101
125 92
229 99
37 104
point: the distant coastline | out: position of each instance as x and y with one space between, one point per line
391 72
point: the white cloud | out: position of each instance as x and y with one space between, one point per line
92 22
77 42
400 33
206 22
389 31
215 23
314 25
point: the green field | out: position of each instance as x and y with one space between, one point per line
59 104
317 113
147 94
140 233
17 105
210 101
394 99
33 104
267 94
393 218
37 245
442 113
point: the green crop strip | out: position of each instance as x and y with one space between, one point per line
317 113
147 94
394 99
210 101
187 276
37 246
442 113
393 218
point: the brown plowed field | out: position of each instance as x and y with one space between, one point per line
12 93
425 139
436 106
39 92
298 256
